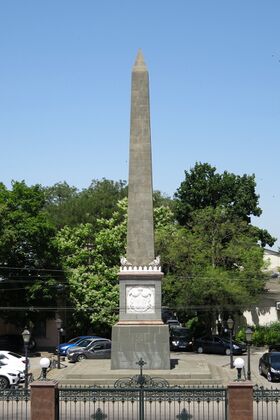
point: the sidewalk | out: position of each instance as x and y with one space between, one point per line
184 371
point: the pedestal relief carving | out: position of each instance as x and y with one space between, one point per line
140 299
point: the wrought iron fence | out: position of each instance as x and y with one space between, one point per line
266 403
15 404
143 403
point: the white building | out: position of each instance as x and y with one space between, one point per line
268 310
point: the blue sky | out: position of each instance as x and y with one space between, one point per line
214 82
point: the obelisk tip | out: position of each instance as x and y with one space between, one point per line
140 62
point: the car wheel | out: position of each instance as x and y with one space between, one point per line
260 370
269 377
81 357
200 350
4 383
227 352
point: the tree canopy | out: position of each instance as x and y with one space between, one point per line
28 258
69 207
211 254
204 188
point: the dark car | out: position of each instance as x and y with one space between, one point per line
274 347
180 339
173 323
14 342
63 347
217 345
97 349
269 366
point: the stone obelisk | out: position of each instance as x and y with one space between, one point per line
140 332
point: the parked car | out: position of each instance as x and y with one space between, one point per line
12 359
217 345
274 347
8 377
14 342
180 339
63 347
166 314
173 323
97 349
269 366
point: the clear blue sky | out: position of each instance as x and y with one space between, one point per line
214 80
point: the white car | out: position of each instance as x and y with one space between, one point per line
9 377
13 360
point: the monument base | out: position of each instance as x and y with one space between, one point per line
130 343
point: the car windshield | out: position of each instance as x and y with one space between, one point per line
180 332
275 358
84 342
74 340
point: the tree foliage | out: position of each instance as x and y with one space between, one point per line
214 268
204 188
90 258
69 207
27 252
210 252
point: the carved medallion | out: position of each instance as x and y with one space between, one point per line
140 299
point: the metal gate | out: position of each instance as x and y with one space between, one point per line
143 403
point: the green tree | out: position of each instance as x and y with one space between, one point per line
212 267
91 258
69 207
203 187
29 265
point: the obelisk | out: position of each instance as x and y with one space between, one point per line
140 226
140 332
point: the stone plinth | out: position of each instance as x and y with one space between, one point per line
132 342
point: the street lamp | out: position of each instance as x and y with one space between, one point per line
249 334
239 365
58 325
44 364
230 323
26 338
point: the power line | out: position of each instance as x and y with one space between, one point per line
201 308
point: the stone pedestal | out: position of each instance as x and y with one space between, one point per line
132 342
140 332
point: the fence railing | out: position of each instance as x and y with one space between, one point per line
266 403
172 403
15 404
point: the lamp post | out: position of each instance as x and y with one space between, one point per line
58 325
44 364
26 338
239 365
230 324
249 334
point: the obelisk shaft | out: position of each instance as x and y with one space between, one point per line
140 229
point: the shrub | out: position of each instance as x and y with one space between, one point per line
262 335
